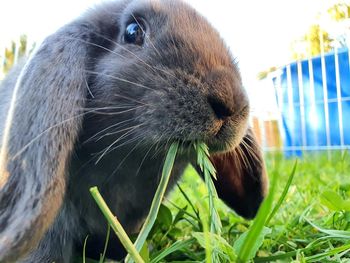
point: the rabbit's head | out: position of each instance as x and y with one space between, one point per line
175 77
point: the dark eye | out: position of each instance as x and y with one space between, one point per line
134 34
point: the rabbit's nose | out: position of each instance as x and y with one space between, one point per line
226 96
221 109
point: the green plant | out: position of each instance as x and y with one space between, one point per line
304 219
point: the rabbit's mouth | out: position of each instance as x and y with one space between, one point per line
230 133
219 135
225 139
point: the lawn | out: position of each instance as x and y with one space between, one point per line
311 223
306 217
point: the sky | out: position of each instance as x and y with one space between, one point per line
259 33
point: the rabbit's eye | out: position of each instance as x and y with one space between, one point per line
134 34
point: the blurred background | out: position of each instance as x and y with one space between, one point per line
293 56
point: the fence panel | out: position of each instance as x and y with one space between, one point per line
314 100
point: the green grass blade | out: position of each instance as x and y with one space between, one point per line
284 193
257 244
178 245
116 226
84 249
258 225
184 210
330 232
157 200
311 246
220 245
276 257
209 171
189 201
331 252
204 220
102 258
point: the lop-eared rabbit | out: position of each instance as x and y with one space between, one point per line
98 103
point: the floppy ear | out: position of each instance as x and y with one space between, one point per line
241 177
40 124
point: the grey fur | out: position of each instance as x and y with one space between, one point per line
83 91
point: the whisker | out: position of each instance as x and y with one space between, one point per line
88 88
126 106
132 53
112 133
122 161
253 142
97 45
246 155
250 151
154 47
120 79
118 112
158 147
25 147
125 143
142 161
96 156
239 164
157 51
241 156
131 99
153 68
125 49
131 129
109 127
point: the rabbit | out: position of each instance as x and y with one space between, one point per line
98 104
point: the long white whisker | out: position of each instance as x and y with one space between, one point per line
125 158
241 156
131 99
157 51
158 146
237 156
129 51
120 79
91 109
253 142
45 131
88 88
131 129
114 132
122 161
97 45
248 163
125 143
119 112
109 127
250 151
142 161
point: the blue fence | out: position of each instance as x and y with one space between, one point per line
313 97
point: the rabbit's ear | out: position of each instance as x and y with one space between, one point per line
40 126
241 177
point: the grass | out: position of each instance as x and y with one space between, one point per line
306 218
116 226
